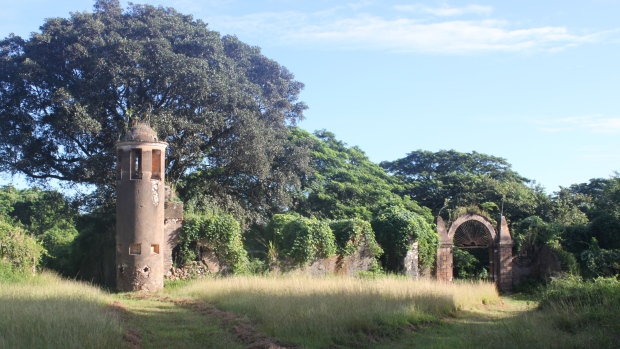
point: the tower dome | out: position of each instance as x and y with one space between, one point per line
140 133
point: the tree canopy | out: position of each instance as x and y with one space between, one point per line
344 183
465 179
70 91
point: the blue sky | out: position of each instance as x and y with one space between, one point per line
535 82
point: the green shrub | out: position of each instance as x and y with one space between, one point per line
532 233
568 261
10 274
582 306
273 231
305 239
220 233
465 264
572 293
17 249
59 245
589 307
49 218
397 229
350 232
298 239
95 242
600 262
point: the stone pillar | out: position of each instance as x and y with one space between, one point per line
492 261
504 258
444 270
444 263
504 283
140 211
411 262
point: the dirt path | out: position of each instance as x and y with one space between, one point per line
154 321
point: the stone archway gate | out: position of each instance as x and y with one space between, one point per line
481 234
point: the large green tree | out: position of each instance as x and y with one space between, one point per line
70 91
467 179
343 183
249 198
599 200
46 216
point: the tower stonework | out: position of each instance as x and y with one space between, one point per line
140 197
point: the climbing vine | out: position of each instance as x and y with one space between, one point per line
349 233
302 239
219 233
397 229
18 250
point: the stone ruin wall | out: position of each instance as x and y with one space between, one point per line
542 266
361 260
173 223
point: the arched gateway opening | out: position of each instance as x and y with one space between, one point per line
476 231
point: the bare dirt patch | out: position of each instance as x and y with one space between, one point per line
131 338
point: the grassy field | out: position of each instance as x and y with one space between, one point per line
304 312
49 312
321 312
156 323
515 323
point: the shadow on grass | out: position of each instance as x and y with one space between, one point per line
241 329
335 319
506 328
57 322
164 324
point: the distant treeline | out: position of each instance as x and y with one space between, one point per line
581 222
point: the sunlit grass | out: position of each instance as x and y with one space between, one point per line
551 329
387 312
317 311
164 324
50 312
574 314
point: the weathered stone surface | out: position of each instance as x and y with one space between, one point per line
173 210
140 241
212 263
361 260
543 265
504 281
410 264
444 270
172 231
321 267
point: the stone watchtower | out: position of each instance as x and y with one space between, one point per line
140 241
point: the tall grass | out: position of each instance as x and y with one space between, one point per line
571 314
49 312
318 311
589 307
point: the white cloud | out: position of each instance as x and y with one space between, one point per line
445 10
365 31
598 124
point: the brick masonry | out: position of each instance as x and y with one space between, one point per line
501 250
